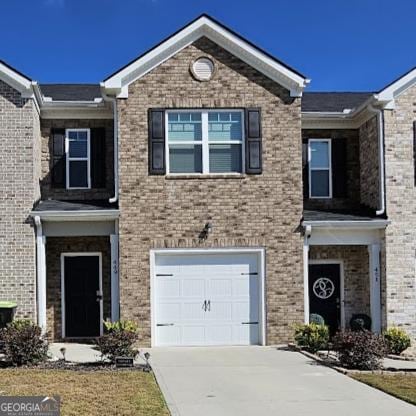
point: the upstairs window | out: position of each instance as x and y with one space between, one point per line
77 149
320 175
205 141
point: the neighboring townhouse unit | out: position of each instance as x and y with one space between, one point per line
202 193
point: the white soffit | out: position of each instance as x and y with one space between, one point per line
205 26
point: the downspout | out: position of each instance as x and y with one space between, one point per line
113 100
380 133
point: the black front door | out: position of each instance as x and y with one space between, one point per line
82 296
325 293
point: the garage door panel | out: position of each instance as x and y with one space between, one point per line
168 335
192 311
168 312
220 311
168 288
192 287
218 287
193 335
216 298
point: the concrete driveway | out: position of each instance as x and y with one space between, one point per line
262 381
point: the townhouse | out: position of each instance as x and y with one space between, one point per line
201 192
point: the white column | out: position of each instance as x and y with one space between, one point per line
115 287
306 277
375 285
41 274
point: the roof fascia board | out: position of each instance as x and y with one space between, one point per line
395 89
82 215
218 34
365 224
14 79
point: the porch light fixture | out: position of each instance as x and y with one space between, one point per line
203 235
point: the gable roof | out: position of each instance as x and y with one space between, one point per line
396 88
333 102
15 79
71 92
206 26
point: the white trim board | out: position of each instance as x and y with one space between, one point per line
341 283
81 215
262 281
80 254
205 27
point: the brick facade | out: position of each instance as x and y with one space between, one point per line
247 210
356 277
369 166
55 246
401 210
49 192
352 164
18 191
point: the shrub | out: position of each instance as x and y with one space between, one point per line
360 322
316 319
397 340
118 341
360 350
312 337
23 343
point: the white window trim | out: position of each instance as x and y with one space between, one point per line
205 142
329 169
68 159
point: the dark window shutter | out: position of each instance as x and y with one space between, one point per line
58 168
305 168
98 157
157 164
339 168
414 150
254 163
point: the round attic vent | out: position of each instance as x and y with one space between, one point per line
203 69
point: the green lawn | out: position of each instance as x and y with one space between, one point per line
89 393
402 386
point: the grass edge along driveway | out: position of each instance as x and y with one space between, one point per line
92 393
402 386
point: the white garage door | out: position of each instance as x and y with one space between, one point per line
206 299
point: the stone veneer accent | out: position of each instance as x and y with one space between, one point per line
369 172
356 276
61 193
55 246
401 210
19 188
247 210
353 168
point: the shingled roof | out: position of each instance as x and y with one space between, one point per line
71 92
333 101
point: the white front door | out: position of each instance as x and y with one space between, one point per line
206 299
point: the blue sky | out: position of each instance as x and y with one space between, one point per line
340 44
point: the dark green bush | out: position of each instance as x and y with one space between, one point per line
397 340
312 337
360 350
23 343
360 322
118 340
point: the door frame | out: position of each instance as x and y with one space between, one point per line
100 286
259 252
341 283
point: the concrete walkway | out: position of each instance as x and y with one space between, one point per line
262 381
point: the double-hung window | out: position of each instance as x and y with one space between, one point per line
77 149
320 179
205 141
